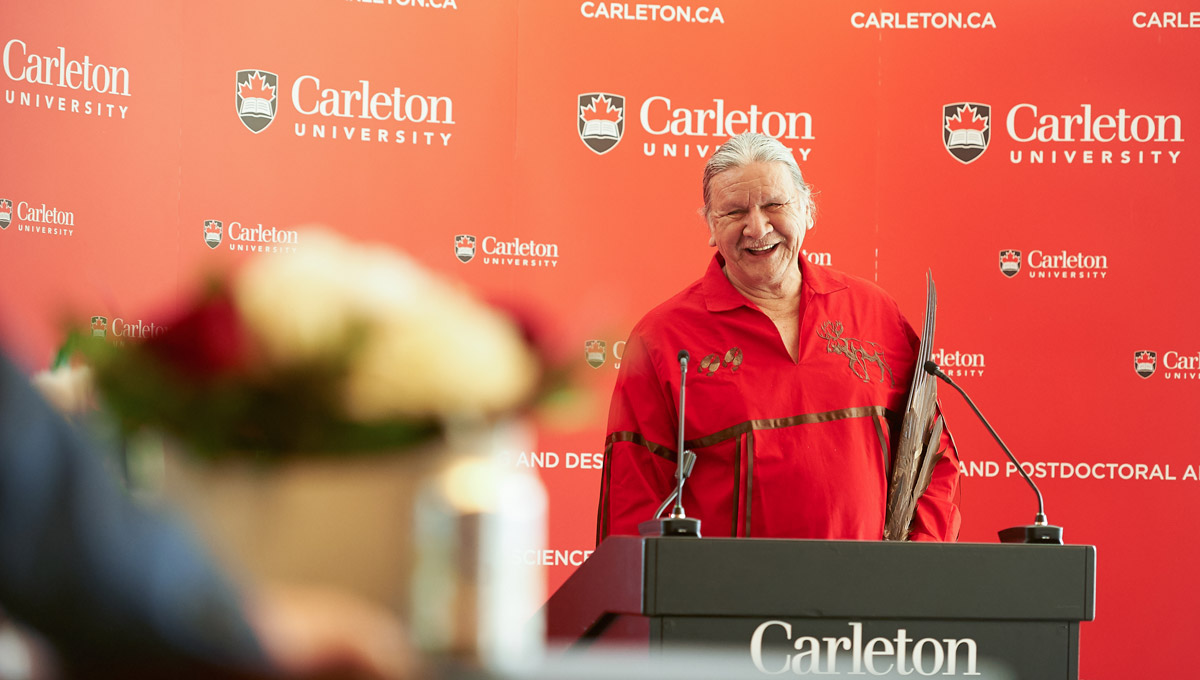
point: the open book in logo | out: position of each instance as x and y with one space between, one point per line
966 130
212 233
5 213
256 98
601 120
464 248
1144 362
1010 262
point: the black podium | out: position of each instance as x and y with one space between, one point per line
831 608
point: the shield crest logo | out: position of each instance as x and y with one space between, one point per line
1010 262
212 233
99 326
966 130
601 120
256 98
5 213
464 247
593 351
1145 362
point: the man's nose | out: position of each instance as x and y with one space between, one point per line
757 224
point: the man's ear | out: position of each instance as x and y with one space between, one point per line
712 237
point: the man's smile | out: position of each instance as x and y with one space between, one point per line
762 250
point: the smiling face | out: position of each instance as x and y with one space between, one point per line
757 222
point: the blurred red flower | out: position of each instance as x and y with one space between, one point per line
206 340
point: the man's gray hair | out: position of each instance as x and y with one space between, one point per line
755 147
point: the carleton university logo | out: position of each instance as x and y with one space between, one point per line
464 248
5 213
593 351
1144 362
256 100
212 233
601 120
966 129
1010 262
99 326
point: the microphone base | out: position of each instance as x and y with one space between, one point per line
670 526
1033 533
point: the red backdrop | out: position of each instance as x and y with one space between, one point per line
472 127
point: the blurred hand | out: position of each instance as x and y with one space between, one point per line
311 631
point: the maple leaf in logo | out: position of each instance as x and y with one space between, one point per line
256 87
601 109
5 205
212 227
464 242
960 121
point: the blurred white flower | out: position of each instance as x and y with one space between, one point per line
70 389
429 348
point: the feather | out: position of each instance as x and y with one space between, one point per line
917 451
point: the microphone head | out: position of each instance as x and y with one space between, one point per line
932 368
683 355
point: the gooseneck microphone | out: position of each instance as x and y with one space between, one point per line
678 524
1038 532
677 511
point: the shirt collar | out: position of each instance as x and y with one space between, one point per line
721 296
821 280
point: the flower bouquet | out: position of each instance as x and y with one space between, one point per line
318 405
336 349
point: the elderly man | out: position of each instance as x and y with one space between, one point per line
799 375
